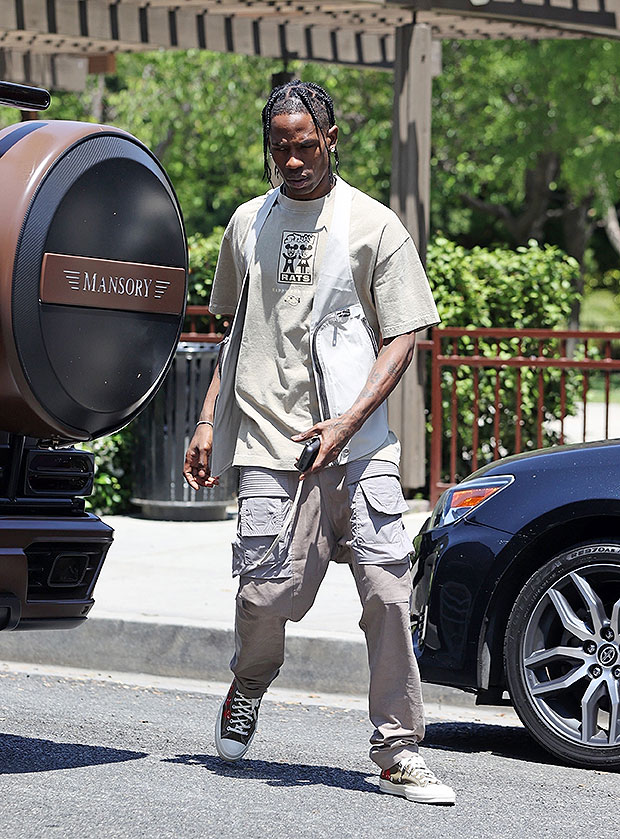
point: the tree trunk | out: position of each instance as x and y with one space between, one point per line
530 223
612 227
577 232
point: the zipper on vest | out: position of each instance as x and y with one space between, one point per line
318 370
340 318
335 317
371 335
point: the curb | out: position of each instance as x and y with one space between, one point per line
321 665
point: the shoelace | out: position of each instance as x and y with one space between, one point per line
241 714
415 769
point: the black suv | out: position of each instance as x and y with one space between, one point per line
93 282
51 550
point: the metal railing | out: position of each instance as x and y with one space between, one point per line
503 391
202 326
496 392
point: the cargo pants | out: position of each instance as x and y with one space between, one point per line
351 514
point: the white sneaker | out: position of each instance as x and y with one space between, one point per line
412 779
236 724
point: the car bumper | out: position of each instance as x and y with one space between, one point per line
48 569
452 569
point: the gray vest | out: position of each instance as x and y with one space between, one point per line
342 343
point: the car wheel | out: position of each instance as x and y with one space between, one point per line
562 655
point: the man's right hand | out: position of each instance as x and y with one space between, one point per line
196 468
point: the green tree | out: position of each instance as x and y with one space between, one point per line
530 287
526 143
200 113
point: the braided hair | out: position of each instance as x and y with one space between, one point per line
296 97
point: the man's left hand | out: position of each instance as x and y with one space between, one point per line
392 361
334 434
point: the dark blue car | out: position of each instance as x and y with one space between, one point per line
517 589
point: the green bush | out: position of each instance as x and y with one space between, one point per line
112 489
203 253
526 288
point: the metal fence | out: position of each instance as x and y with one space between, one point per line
496 392
203 326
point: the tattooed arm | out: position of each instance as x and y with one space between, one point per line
386 372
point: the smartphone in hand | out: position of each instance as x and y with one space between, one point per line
308 454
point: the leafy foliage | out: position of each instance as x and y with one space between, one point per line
526 143
112 489
203 253
527 288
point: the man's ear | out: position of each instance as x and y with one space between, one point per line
332 138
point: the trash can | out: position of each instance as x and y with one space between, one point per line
162 435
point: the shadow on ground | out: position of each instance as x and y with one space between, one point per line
281 774
503 741
511 742
20 755
473 737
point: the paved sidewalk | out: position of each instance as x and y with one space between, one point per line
165 606
180 572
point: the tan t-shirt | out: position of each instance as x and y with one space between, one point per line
274 385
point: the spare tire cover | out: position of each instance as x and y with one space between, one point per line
97 258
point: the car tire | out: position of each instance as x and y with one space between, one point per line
562 655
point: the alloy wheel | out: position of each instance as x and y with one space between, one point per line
562 655
571 656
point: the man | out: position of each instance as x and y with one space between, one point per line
318 274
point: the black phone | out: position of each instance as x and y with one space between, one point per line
308 454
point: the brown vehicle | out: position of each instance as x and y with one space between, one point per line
93 267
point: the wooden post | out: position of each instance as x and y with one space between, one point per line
410 199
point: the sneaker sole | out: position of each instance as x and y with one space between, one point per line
218 741
420 795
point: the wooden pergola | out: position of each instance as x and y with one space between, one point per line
35 35
56 43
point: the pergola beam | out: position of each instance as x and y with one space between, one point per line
67 72
360 34
131 28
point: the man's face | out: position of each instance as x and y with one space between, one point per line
301 155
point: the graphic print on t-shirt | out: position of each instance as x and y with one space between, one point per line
297 252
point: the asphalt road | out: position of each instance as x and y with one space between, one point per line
89 757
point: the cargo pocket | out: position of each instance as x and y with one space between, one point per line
260 521
378 533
